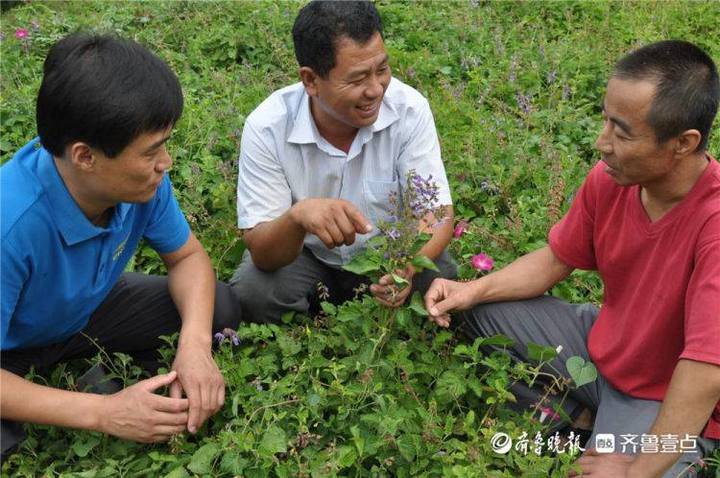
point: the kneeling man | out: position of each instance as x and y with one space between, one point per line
647 218
319 160
75 204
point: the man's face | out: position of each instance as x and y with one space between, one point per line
627 143
352 93
135 174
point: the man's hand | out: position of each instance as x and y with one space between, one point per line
199 377
610 465
388 293
444 296
136 413
334 221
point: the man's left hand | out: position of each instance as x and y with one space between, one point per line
390 294
199 377
604 465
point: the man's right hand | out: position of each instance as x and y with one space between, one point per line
444 296
334 221
136 413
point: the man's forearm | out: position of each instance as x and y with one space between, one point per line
275 244
440 239
24 401
691 397
528 276
192 287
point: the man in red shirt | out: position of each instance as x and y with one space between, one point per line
647 218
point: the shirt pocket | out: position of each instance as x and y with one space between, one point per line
378 206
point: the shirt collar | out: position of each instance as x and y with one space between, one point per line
72 223
305 131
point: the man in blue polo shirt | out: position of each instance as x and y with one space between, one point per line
75 204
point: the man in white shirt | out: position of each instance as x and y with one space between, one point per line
319 160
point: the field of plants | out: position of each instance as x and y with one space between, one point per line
516 89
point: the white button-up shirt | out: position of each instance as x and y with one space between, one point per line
284 159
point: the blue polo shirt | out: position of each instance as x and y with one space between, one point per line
56 266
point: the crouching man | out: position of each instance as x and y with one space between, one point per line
75 204
647 218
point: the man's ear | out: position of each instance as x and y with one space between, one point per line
687 142
81 156
309 79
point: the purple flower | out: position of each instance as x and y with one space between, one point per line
460 229
21 33
566 92
524 102
219 338
482 262
2 36
551 77
393 234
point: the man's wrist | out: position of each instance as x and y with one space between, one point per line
191 338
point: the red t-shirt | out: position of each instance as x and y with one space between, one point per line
661 280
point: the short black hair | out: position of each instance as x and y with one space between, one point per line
322 23
686 87
105 91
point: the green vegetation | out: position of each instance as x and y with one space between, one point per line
516 89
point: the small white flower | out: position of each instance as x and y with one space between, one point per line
559 349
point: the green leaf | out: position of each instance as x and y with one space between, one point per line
82 448
422 262
346 456
328 308
582 372
498 340
417 306
399 280
202 460
407 446
178 472
540 353
273 441
361 265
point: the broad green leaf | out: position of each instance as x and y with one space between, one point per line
202 460
274 441
346 456
422 262
417 306
582 372
540 353
328 308
179 472
407 446
82 448
361 265
399 280
498 340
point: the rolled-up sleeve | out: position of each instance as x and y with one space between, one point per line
263 192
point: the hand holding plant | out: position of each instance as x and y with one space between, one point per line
393 257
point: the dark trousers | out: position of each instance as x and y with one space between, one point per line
130 320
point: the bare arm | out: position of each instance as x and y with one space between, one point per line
135 413
528 276
191 281
690 400
277 243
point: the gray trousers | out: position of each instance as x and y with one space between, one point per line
549 321
266 296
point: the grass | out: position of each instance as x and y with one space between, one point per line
349 392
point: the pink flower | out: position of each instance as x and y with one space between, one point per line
482 262
460 229
547 412
21 33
